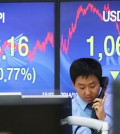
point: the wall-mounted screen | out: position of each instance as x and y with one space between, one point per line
89 29
27 47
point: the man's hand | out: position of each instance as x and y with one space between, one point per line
99 107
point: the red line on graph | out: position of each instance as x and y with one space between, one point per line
41 46
38 46
64 45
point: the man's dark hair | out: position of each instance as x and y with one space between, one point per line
85 67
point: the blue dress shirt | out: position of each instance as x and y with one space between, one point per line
79 109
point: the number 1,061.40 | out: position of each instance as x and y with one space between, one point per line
114 45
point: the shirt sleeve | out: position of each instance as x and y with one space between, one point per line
81 130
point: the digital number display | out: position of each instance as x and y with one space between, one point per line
89 29
27 47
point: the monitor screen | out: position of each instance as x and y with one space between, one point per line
116 106
27 47
34 115
89 29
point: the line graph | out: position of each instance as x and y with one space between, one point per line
38 46
27 48
42 46
65 43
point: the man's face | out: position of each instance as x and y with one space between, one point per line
87 87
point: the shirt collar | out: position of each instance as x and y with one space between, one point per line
81 102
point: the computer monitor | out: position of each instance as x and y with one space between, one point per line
116 106
40 115
82 35
27 47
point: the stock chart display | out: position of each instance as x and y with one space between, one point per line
27 47
89 29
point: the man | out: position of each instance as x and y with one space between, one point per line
86 75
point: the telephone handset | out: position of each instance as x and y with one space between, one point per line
103 84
